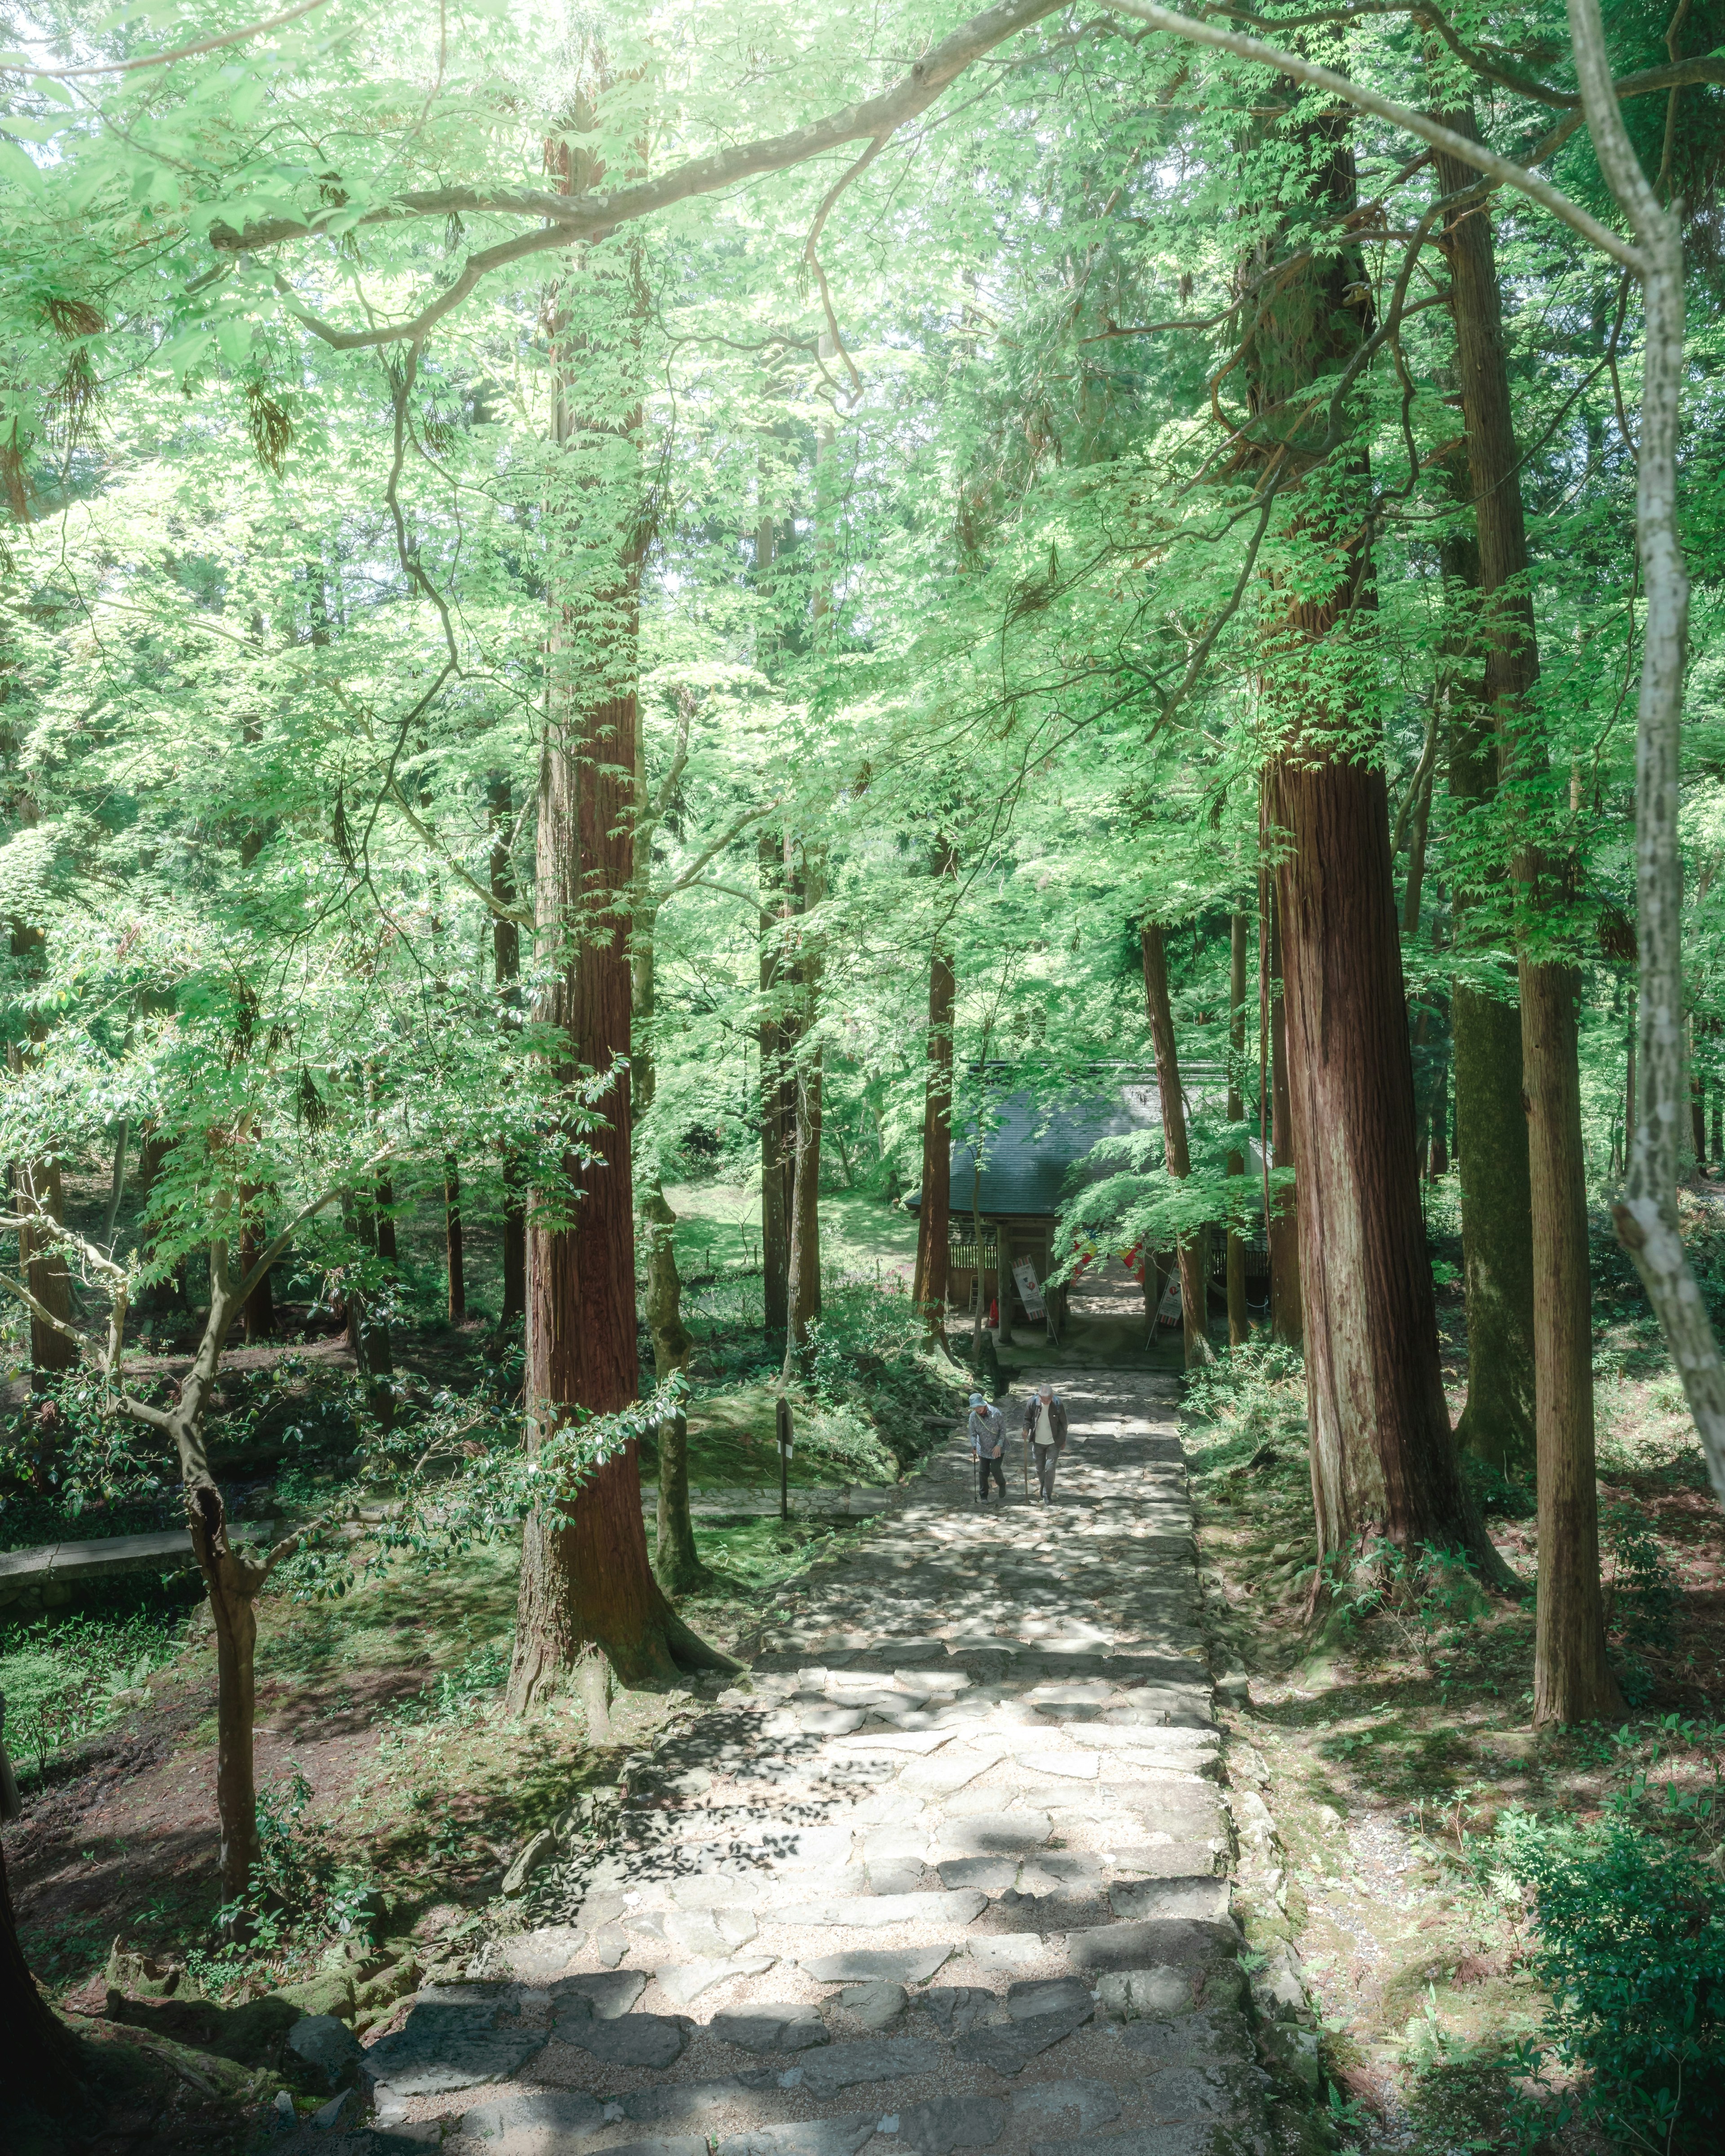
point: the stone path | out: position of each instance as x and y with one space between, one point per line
949 1870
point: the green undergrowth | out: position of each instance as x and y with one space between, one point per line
1515 1938
63 1678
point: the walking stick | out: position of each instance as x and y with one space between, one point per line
1027 1463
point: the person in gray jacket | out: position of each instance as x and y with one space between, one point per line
1046 1434
987 1446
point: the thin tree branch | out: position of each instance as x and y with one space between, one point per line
1421 124
163 59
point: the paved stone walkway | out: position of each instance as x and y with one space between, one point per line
949 1872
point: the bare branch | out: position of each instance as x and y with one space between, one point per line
576 217
1421 124
243 1294
692 874
166 59
41 1311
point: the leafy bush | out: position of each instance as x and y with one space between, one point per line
1631 1947
1641 1588
1499 1496
869 1351
300 1895
1254 1398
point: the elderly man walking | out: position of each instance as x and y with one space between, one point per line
987 1446
1046 1434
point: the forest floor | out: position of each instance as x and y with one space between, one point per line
382 1757
1394 1747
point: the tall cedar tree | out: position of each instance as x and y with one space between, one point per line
779 1090
1383 1457
935 1211
586 1586
1572 1679
1239 1323
1195 1302
1282 1234
506 969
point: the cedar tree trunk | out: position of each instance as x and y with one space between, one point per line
1383 1458
1239 1327
587 1588
934 1215
1572 1680
778 1092
805 1186
455 1255
1282 1231
506 969
1194 1303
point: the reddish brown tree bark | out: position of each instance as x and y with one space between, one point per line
1572 1679
506 969
805 1265
1238 1324
934 1214
587 1588
454 1244
1383 1459
1282 1229
1194 1292
778 1089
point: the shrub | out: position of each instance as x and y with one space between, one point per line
1631 1947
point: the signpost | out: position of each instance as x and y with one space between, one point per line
787 1435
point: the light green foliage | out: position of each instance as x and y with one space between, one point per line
64 1677
1631 1945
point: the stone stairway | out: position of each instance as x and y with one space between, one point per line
949 1870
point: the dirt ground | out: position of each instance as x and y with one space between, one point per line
1386 1752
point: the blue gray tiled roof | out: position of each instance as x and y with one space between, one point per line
1027 1157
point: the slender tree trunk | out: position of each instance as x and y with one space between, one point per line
586 1586
934 1214
1239 1327
1440 1123
39 2054
1287 1323
52 1352
1697 1105
1383 1458
233 1587
1572 1681
805 1190
456 1262
506 969
1195 1289
779 1090
383 1223
676 1563
258 1319
117 1184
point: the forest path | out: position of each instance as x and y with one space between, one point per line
950 1872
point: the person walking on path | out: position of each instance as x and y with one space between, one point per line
987 1446
1046 1434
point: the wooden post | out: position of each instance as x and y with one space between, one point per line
787 1435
